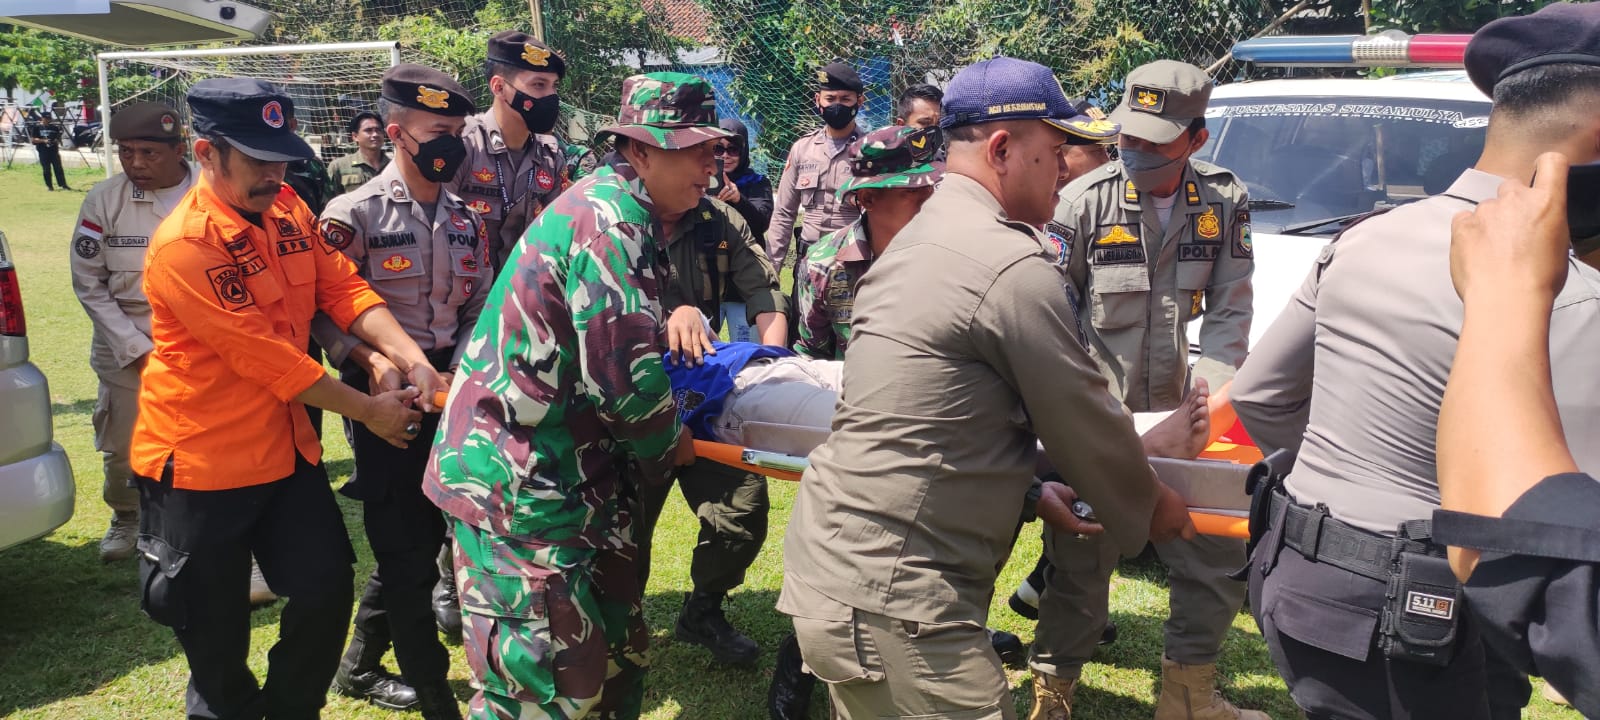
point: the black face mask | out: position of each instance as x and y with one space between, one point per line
439 159
539 114
1583 207
838 116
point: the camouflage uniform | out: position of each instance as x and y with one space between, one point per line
888 158
349 172
561 407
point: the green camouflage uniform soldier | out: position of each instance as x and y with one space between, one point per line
887 162
560 408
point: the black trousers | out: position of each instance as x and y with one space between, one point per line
1320 624
50 159
406 532
732 507
195 548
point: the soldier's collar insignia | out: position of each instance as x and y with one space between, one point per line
920 142
1192 192
1147 99
1130 193
431 98
1118 236
397 190
535 56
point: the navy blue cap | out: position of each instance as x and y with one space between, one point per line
1558 33
250 114
1005 88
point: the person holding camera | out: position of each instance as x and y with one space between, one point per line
46 136
1352 591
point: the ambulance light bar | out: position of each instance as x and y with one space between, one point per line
1391 48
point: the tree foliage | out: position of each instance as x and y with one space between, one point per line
38 61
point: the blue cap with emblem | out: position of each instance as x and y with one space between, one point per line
1005 88
250 114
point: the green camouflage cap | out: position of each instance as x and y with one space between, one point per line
894 157
667 110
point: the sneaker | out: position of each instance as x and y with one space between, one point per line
121 539
260 594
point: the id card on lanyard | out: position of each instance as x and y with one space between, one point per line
506 203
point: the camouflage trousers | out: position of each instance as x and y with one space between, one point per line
551 631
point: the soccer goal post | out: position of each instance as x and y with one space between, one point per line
329 83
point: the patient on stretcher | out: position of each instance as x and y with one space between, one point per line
767 398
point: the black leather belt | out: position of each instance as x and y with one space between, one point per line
1320 538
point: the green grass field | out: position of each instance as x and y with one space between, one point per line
74 646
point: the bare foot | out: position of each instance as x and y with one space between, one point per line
1185 432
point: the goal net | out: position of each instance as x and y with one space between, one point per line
328 83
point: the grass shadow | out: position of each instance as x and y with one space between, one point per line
77 407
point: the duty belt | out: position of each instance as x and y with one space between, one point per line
1320 538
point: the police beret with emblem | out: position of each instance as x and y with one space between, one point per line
146 121
1006 88
894 157
1558 33
839 76
1160 99
524 51
251 114
426 89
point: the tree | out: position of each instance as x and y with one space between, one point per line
38 61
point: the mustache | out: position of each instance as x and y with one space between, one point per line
264 191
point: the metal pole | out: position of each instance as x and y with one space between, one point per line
394 55
105 114
251 50
538 19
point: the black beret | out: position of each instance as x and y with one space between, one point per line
1558 33
526 52
839 76
426 89
146 121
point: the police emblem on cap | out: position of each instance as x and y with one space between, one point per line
535 55
429 97
822 76
272 114
168 123
1147 99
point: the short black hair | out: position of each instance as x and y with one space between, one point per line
918 92
361 117
504 71
1196 125
1545 87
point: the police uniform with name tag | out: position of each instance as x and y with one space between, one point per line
817 167
107 261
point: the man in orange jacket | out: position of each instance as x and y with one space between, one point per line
223 453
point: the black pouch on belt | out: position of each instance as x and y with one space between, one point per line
1422 612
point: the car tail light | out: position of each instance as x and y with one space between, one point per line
11 320
1386 49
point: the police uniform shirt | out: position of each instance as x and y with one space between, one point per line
433 272
507 187
964 354
1352 372
108 253
816 169
1535 587
1144 280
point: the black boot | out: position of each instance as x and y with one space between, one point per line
1008 647
447 607
362 676
789 695
703 623
1109 634
438 702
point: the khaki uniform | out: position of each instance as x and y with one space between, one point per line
1143 285
432 272
108 249
506 187
965 354
352 171
1351 377
811 179
712 251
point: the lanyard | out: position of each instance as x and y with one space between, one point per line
506 203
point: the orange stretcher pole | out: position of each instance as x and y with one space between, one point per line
733 456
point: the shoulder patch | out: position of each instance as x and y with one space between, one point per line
86 247
1059 242
1243 246
336 234
227 283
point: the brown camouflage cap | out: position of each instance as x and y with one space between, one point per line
667 110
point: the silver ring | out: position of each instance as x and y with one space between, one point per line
413 429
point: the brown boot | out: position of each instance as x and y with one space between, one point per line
1052 697
1189 692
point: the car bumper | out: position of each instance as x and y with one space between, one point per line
36 496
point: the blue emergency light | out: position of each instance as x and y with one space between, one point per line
1391 48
